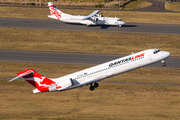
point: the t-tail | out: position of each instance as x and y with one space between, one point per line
42 84
55 13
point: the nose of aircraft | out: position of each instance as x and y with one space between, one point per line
123 23
166 54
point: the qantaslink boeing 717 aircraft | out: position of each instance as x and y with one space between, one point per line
94 74
92 19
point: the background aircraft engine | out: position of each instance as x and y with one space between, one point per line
99 15
61 85
95 19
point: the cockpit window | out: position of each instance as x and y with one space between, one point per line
119 20
156 51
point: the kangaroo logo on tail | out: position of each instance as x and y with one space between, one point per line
54 10
42 84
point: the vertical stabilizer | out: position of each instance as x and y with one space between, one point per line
41 83
55 13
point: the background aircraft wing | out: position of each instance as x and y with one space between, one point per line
92 14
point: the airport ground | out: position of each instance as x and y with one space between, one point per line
109 101
127 16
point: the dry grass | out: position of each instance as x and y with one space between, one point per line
109 101
78 1
127 16
86 42
137 5
149 76
54 71
21 12
173 6
132 102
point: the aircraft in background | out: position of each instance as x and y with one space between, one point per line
94 74
92 19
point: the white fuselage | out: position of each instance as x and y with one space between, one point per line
115 67
99 20
92 19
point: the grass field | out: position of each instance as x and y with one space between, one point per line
140 75
109 101
137 4
94 1
173 6
86 42
127 16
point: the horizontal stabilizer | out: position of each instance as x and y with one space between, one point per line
52 16
22 75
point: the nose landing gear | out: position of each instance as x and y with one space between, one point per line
93 87
163 63
118 25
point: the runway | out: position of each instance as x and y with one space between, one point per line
134 28
71 58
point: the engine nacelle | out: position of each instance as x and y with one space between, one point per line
95 18
61 85
99 15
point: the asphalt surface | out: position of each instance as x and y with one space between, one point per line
71 58
133 28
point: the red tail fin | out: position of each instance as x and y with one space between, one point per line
40 82
35 78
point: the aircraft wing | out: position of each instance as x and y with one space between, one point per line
93 81
92 14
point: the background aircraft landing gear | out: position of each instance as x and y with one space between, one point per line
89 25
119 26
163 63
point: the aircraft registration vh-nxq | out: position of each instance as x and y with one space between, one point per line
94 74
92 19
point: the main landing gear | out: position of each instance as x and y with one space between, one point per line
89 25
93 87
163 63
